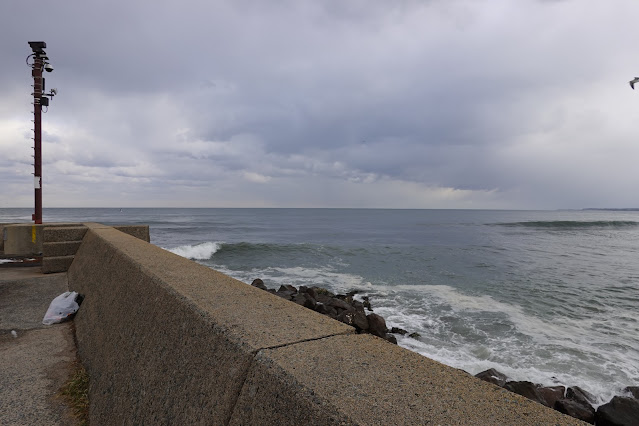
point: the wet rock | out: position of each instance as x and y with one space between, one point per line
526 389
323 291
288 295
578 394
287 287
305 300
391 338
359 306
577 409
323 298
367 303
415 335
377 325
355 319
351 318
259 284
620 411
552 394
340 304
397 330
633 390
360 321
493 376
311 292
326 310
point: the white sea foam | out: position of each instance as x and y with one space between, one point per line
322 277
201 251
560 351
547 351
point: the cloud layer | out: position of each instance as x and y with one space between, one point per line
407 104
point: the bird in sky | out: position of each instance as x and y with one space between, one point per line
633 81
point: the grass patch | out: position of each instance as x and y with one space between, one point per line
76 394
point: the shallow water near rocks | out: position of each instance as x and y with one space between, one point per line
550 297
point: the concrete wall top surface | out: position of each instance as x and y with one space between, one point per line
167 340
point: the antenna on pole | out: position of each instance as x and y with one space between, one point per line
40 62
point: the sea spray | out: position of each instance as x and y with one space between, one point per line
201 251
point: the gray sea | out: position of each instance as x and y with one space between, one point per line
546 296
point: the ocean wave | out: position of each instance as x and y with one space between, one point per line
200 251
572 224
206 250
325 277
247 248
453 327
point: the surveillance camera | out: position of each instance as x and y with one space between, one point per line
48 67
54 91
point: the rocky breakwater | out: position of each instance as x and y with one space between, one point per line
342 307
574 401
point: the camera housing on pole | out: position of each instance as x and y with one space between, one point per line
40 99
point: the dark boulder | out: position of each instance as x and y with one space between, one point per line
377 325
367 303
346 317
493 376
577 409
578 394
391 338
340 304
287 287
323 291
326 310
355 319
323 298
288 295
620 411
359 306
259 284
360 321
397 330
526 389
552 394
311 292
633 390
305 300
415 335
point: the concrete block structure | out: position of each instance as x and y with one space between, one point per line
169 341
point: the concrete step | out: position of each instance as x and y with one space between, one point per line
62 248
56 264
138 231
64 233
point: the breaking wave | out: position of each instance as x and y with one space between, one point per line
571 224
201 251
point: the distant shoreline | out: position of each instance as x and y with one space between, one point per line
629 209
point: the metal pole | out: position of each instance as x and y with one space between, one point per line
37 121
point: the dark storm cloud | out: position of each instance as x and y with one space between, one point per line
422 103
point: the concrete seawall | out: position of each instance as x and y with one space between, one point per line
169 341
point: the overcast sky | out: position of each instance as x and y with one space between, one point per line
335 103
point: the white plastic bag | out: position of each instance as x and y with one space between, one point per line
62 308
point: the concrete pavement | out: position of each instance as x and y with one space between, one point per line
35 360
